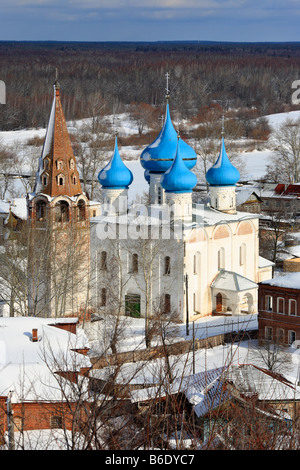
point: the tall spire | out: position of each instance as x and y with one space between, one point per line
57 173
167 87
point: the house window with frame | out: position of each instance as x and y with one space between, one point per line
269 303
292 337
280 305
292 307
269 333
280 335
55 422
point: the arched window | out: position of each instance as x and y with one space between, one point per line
280 305
197 260
46 164
269 303
221 258
103 297
219 303
62 212
135 263
72 164
103 261
60 179
167 303
167 267
45 179
81 210
40 211
242 254
292 307
59 164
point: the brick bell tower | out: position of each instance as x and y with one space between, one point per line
58 224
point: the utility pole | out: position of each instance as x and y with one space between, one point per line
194 368
10 423
187 304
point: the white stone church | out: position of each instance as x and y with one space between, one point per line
173 256
169 257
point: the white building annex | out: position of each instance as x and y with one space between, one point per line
173 256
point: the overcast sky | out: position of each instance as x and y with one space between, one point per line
150 20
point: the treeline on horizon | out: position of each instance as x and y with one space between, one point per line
234 75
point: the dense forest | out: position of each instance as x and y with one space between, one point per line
249 76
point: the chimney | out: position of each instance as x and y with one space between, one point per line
34 337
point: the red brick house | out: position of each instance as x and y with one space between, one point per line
279 308
40 359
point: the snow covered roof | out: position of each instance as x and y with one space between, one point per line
267 385
231 281
209 216
290 281
264 263
26 367
18 207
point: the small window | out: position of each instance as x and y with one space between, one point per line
280 305
167 266
60 180
292 307
103 265
56 422
269 333
292 337
167 304
81 210
280 336
59 165
221 259
269 303
135 263
103 297
242 254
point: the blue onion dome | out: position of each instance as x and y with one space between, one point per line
115 174
222 173
159 156
178 178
